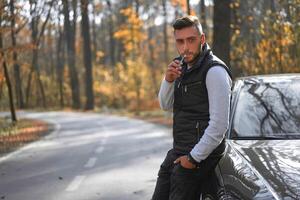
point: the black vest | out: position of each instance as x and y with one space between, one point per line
191 106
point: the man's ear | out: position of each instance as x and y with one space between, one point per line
202 38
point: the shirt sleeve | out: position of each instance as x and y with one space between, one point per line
166 95
218 85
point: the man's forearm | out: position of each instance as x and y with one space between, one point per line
166 95
218 86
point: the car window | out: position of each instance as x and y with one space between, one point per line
268 110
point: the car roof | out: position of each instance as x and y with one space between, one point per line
270 77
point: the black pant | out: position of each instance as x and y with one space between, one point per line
178 183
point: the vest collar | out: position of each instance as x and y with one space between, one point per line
205 52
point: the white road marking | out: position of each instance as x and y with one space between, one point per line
91 163
105 135
104 140
99 149
75 183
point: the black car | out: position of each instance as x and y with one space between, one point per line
262 158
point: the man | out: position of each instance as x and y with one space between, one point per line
197 85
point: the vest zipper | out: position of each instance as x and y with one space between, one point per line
178 84
195 83
185 88
198 131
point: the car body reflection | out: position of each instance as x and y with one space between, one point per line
262 158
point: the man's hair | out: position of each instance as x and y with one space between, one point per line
188 21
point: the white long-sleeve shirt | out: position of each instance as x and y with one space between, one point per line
218 84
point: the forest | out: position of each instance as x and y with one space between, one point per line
112 54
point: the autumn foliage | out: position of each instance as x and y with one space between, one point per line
125 86
131 43
270 44
128 84
130 33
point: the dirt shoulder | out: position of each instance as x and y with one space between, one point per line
14 136
157 120
156 116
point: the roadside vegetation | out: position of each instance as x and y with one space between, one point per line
16 134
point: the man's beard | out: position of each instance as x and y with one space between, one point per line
196 55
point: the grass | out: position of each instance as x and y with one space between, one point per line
9 128
15 135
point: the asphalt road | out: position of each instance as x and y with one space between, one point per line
87 157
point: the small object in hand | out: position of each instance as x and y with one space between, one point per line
182 59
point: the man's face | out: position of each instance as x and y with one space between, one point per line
188 43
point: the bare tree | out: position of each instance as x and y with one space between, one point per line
6 75
87 55
137 7
70 31
188 7
151 30
60 62
94 33
18 80
203 16
36 38
221 35
165 30
110 34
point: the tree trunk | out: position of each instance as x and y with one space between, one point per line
166 43
85 30
7 79
36 38
9 88
1 87
34 63
151 60
120 49
18 81
50 46
221 35
188 7
103 46
70 40
28 86
94 33
111 34
203 16
38 76
60 62
137 7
